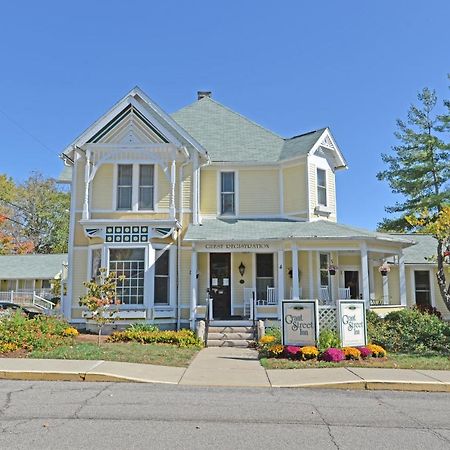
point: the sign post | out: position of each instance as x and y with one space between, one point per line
352 323
300 322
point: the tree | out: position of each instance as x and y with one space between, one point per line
419 170
37 211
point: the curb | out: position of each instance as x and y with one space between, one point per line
345 385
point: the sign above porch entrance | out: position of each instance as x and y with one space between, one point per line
218 247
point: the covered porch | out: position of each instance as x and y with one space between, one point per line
244 278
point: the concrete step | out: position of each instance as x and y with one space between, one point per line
230 336
231 343
214 329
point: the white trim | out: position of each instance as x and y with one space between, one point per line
280 280
89 261
231 284
365 273
311 274
193 286
432 284
196 207
295 279
402 278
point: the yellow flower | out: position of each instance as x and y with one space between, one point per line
275 349
267 339
70 331
6 347
351 353
377 351
309 352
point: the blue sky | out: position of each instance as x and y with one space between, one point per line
292 66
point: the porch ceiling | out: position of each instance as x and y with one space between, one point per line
257 230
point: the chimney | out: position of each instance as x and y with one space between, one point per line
203 94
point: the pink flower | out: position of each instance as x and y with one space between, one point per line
292 350
333 355
365 352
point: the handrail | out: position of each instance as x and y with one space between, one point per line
45 304
207 315
255 333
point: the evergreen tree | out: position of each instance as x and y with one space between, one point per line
419 170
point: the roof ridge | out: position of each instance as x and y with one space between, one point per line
205 99
305 134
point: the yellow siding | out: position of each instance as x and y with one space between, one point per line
394 286
162 199
102 188
312 187
79 193
331 194
185 281
202 264
79 274
295 189
208 192
187 187
237 288
259 192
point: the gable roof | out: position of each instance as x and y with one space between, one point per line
249 230
149 112
231 137
19 267
425 247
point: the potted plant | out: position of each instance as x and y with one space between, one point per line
332 268
384 269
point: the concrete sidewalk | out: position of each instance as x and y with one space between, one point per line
226 367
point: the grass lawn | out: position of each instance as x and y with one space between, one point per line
397 361
159 354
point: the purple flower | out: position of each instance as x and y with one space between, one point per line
365 352
333 355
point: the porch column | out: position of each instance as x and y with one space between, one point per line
310 275
193 287
402 276
385 289
86 186
295 291
172 189
371 281
365 273
280 261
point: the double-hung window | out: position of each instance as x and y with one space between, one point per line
321 187
135 187
324 272
422 287
125 186
162 279
227 193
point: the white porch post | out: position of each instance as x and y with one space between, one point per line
193 287
86 185
280 261
295 290
402 276
385 290
365 273
310 275
172 189
371 281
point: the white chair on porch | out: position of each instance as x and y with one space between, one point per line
272 298
300 293
344 293
325 295
249 293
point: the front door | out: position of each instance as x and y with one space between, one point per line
220 284
351 280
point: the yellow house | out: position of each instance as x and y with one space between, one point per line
205 204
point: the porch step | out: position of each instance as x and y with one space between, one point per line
231 343
230 336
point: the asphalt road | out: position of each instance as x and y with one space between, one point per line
55 415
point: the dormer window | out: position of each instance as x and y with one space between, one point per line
227 193
135 187
321 187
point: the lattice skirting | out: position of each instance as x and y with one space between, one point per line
328 318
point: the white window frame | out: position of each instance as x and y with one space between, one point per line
318 187
89 262
432 276
219 192
320 285
135 186
172 249
274 268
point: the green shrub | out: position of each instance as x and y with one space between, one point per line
143 327
410 331
328 339
40 333
275 332
182 338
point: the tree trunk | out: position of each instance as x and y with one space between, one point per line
444 290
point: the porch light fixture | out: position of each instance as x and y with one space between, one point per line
384 269
241 269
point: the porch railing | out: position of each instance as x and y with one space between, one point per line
22 296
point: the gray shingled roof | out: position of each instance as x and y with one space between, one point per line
424 248
248 230
31 266
229 136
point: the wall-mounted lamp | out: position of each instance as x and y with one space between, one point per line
241 269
